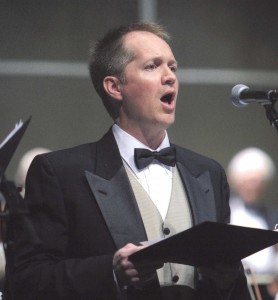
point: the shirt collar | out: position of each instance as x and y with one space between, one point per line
126 144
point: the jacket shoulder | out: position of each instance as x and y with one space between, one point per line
196 162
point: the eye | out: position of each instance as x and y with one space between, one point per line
173 68
151 67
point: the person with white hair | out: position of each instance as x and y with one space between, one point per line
249 173
19 179
24 164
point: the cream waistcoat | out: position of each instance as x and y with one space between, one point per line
178 218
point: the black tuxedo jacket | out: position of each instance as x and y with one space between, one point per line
82 209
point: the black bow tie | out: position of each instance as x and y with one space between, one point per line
144 157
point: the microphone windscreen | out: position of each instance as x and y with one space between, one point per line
235 95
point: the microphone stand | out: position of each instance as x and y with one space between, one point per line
270 110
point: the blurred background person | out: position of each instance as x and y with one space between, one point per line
19 180
23 166
250 173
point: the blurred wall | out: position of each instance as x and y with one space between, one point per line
43 71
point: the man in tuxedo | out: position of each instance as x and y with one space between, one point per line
92 205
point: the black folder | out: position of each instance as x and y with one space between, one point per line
207 244
9 145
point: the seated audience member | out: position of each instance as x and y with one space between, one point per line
249 173
23 166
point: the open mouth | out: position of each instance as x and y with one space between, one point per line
167 98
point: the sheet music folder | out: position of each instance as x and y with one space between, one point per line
9 145
207 244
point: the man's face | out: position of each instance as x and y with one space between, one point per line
150 92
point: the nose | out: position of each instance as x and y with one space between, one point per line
169 77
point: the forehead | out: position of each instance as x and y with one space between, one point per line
147 43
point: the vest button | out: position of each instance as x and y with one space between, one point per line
166 231
175 278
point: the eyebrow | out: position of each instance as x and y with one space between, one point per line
171 61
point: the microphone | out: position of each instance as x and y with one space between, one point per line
242 96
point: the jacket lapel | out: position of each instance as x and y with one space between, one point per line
113 193
200 194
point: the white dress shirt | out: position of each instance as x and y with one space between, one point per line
156 179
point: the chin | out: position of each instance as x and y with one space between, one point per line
170 120
168 123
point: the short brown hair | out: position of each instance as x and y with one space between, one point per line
109 56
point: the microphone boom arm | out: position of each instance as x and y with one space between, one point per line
241 96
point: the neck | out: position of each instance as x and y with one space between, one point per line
150 138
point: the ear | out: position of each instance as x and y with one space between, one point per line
111 84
